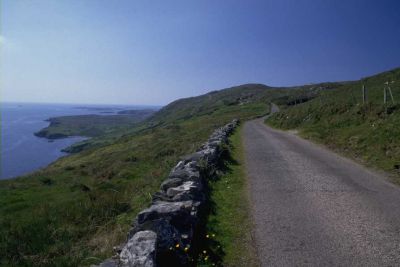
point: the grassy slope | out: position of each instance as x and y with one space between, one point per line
337 118
74 211
230 99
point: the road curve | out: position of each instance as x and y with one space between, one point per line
312 207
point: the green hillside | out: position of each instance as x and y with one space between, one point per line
338 118
74 211
232 100
92 125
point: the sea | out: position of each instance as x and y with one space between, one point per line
21 151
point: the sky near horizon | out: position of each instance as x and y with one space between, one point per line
153 52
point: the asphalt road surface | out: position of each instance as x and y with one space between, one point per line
312 207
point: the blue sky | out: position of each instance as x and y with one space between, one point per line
153 52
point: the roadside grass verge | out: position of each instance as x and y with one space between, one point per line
364 133
367 132
229 226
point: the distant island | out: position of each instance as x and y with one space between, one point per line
109 109
91 125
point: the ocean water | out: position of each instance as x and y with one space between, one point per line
21 151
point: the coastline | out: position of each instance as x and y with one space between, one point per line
24 150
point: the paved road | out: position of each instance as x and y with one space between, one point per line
314 208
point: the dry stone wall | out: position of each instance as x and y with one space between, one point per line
165 234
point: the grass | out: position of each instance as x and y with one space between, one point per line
368 132
229 227
74 211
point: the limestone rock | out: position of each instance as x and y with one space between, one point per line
140 250
165 209
171 182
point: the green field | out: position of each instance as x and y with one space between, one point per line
337 117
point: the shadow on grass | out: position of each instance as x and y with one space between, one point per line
208 250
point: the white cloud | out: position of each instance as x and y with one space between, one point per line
2 39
